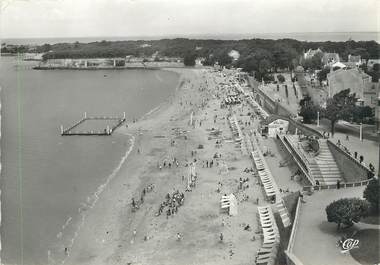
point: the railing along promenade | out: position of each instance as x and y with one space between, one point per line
339 149
335 186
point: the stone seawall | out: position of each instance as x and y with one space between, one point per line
351 169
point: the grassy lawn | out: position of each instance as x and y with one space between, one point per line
368 251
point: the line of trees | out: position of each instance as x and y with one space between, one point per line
258 55
342 106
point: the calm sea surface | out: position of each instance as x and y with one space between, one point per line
302 36
49 180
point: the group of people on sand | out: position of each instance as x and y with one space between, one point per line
136 203
208 164
173 202
242 183
168 163
192 184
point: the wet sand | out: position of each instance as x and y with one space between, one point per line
108 237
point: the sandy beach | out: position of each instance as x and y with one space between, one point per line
114 234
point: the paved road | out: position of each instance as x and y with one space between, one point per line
351 130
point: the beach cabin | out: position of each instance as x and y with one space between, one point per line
273 126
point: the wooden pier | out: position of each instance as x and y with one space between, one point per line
73 129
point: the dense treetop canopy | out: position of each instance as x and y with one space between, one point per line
281 51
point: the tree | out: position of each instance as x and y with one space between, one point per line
189 59
283 56
322 75
347 211
309 113
258 61
224 59
314 62
308 110
361 112
340 107
221 56
281 78
371 194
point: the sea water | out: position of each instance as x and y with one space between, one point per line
49 180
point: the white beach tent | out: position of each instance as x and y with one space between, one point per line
233 205
229 202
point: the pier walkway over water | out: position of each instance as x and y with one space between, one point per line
94 125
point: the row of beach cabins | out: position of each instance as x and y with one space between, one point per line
268 252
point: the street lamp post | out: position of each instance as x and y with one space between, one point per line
317 118
361 132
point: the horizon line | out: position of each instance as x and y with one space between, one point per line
185 35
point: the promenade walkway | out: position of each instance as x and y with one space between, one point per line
368 148
315 235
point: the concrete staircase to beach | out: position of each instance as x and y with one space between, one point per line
321 168
326 170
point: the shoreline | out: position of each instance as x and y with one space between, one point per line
92 199
108 235
130 164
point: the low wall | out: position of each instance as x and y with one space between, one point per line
281 110
291 259
351 169
334 186
271 105
296 157
266 102
303 128
290 202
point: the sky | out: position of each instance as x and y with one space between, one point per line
91 18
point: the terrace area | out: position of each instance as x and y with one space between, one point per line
316 235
